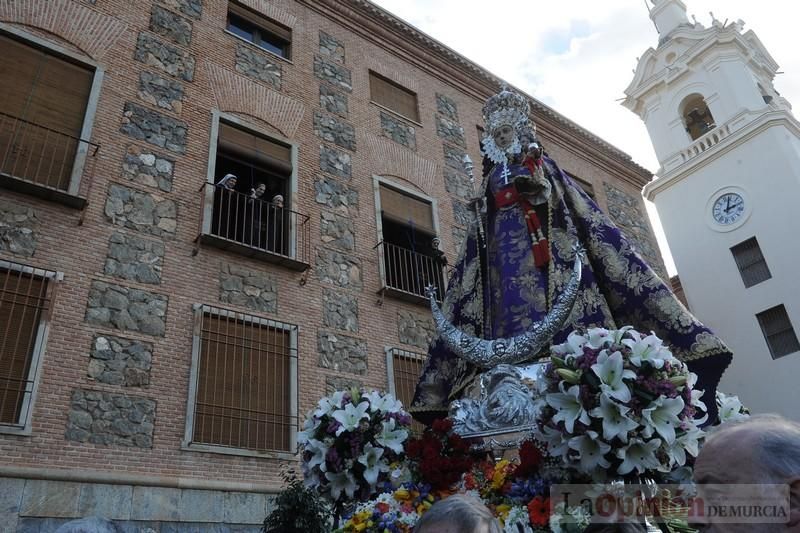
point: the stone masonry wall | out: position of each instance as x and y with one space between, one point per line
118 361
342 353
340 310
164 57
134 259
415 329
126 309
111 419
146 167
17 229
144 212
248 288
154 128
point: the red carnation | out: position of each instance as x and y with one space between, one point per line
530 459
539 511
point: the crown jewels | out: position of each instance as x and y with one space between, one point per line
505 107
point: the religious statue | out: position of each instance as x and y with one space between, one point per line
521 275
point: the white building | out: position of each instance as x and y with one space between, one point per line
728 194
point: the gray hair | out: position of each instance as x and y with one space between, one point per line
464 512
778 444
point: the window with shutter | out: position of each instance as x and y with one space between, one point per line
41 113
405 369
245 383
778 331
24 306
751 263
259 30
393 96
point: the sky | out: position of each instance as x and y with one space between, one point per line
578 56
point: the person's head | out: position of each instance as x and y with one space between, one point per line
229 181
260 190
763 449
458 514
277 200
435 242
503 136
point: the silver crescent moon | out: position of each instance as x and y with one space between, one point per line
488 353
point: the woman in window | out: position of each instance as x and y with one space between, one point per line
225 207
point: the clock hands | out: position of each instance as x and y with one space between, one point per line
729 207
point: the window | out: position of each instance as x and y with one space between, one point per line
252 214
778 331
393 97
697 117
244 375
587 187
25 298
410 259
42 115
752 265
405 368
259 30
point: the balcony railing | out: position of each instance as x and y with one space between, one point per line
251 226
39 160
407 273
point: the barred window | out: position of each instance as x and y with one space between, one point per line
405 368
752 265
245 375
25 300
778 331
393 96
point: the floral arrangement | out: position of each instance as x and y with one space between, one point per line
395 511
730 408
349 442
616 403
440 457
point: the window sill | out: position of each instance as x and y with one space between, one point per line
15 430
42 191
241 452
256 47
396 114
259 253
410 297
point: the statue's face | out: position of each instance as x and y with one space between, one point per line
503 136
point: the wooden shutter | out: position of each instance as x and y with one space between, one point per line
407 209
244 390
22 302
393 96
255 149
778 331
752 265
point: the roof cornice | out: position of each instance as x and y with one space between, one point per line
393 34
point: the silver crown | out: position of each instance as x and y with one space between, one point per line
505 108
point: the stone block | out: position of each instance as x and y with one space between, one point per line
11 490
201 506
258 65
342 353
111 419
109 501
135 259
450 131
244 508
145 167
18 229
332 100
126 309
454 157
167 24
118 361
331 48
161 92
338 269
141 211
337 231
165 57
39 525
447 107
335 74
335 162
337 383
46 498
154 128
248 288
415 329
340 310
336 196
190 8
458 184
156 503
333 130
398 131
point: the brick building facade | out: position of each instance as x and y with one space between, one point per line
162 335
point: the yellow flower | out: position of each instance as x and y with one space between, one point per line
402 495
502 512
500 473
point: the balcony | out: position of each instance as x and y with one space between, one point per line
406 273
43 162
255 228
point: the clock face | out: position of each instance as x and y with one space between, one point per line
728 208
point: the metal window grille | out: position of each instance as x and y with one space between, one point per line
246 393
752 265
25 303
393 96
778 331
409 272
406 368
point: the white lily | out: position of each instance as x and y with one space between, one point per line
350 417
730 408
597 337
309 428
615 420
318 451
573 345
638 455
328 404
383 402
647 349
688 442
609 369
371 459
568 407
390 437
616 335
592 451
557 445
663 416
342 481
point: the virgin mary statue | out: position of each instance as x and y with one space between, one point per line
518 259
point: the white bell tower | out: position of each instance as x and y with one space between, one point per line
728 194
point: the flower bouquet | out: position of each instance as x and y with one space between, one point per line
349 442
440 457
616 403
